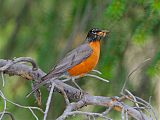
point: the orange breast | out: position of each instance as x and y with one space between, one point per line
88 64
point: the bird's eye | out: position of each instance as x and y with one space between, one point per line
93 32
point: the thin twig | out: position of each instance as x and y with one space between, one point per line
90 114
67 79
9 114
5 104
48 101
140 103
137 105
97 71
140 65
132 97
85 113
122 114
37 94
26 107
147 106
107 111
21 106
126 115
95 76
134 70
63 93
17 60
33 114
154 113
3 80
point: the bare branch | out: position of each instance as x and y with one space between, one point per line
107 111
134 70
48 101
97 71
115 103
145 102
33 114
84 113
21 106
17 60
138 101
137 105
95 76
9 114
5 105
70 108
3 81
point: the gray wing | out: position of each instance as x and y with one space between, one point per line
73 58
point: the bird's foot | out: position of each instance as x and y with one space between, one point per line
81 91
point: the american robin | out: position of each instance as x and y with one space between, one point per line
80 60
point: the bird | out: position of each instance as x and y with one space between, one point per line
80 60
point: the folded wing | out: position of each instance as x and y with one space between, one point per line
73 58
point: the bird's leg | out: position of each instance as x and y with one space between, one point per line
73 80
81 91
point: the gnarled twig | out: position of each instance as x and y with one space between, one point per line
73 93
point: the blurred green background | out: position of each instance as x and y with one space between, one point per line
46 29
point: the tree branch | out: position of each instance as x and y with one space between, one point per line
115 103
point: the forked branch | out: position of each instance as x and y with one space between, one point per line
80 100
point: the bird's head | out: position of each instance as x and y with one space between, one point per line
96 34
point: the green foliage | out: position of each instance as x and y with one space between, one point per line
46 29
116 9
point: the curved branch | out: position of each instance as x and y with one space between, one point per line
9 114
72 93
17 60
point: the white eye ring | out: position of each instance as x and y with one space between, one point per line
93 33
